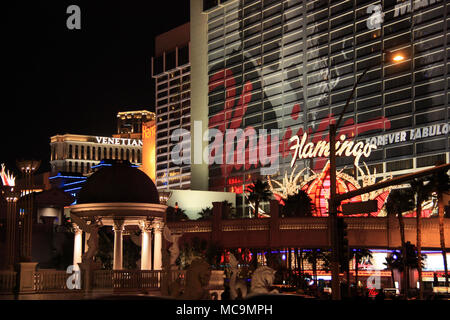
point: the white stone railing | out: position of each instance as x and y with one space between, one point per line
50 280
7 281
54 281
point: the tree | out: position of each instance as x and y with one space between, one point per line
298 205
398 202
412 260
397 261
258 192
394 262
440 184
230 212
313 256
360 254
206 213
175 214
421 192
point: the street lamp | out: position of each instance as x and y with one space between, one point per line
332 203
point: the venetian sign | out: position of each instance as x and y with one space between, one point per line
119 141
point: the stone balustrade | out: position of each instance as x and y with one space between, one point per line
55 281
126 280
50 281
306 232
8 281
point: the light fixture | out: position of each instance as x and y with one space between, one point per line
398 58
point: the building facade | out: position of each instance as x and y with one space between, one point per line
79 153
291 65
129 123
172 72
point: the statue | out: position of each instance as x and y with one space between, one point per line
262 280
92 229
238 287
197 279
174 248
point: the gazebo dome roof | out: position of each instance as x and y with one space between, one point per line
118 181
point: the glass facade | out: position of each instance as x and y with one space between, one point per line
291 65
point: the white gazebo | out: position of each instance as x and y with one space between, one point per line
119 195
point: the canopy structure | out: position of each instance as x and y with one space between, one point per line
119 195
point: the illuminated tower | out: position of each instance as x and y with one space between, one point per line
28 168
149 149
129 123
171 70
11 194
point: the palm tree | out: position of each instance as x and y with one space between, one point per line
360 254
298 205
422 194
394 262
313 256
398 202
206 213
258 192
440 184
398 261
176 214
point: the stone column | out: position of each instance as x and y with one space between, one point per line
158 227
28 168
146 247
118 240
27 225
77 245
26 276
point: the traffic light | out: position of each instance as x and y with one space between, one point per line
343 249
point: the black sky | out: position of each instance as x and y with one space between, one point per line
75 81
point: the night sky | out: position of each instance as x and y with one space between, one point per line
75 81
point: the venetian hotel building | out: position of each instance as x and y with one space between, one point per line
75 153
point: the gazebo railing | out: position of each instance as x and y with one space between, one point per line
54 281
103 279
50 281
